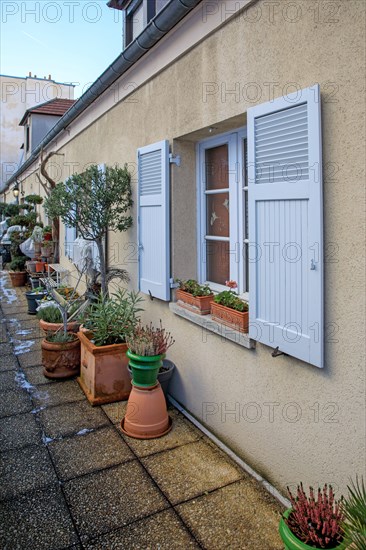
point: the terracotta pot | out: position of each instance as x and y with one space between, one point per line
104 376
47 236
18 278
230 317
61 360
146 414
197 304
40 267
54 327
164 377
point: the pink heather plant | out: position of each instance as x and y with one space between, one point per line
316 522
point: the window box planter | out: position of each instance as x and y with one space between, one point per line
230 317
104 377
197 304
290 540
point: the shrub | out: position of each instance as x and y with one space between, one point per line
148 341
33 199
18 263
316 521
113 319
11 210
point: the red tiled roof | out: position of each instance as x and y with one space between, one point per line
57 107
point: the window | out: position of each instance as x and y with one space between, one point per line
27 138
138 14
223 228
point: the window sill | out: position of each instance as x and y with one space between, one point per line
207 323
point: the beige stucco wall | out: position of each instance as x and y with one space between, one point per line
310 423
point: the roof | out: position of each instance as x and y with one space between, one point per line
57 107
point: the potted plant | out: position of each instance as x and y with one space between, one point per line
33 296
47 233
37 238
104 377
314 521
46 249
354 524
147 347
230 310
195 297
17 273
146 413
50 318
60 349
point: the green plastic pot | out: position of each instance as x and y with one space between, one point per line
290 540
144 369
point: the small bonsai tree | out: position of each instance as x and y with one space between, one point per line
33 199
94 202
17 263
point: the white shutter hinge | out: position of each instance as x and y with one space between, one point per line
174 159
173 284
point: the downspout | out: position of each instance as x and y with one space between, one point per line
159 26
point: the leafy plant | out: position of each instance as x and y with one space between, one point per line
354 508
94 202
113 319
47 229
33 199
50 314
47 244
149 341
317 520
229 299
18 263
12 210
61 337
193 287
38 290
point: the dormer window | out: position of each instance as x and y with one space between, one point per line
137 14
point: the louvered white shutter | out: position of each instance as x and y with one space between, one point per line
285 225
153 220
70 236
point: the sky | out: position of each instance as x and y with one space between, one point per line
74 41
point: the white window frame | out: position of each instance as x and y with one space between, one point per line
237 236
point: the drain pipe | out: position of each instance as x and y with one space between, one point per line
171 14
272 490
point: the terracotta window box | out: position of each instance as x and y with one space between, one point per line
197 304
230 317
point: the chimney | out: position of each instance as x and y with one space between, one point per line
30 74
49 77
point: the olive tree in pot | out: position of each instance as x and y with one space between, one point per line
107 324
94 202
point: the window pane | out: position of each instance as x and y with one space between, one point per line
218 261
217 215
217 174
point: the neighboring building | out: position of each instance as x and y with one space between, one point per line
17 96
266 111
38 121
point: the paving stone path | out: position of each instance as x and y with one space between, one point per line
69 478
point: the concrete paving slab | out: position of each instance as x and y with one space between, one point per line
71 418
30 359
8 362
112 498
163 531
180 434
190 470
8 381
82 454
37 520
25 331
6 349
115 411
23 316
13 325
60 392
241 516
22 470
35 376
19 431
14 402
